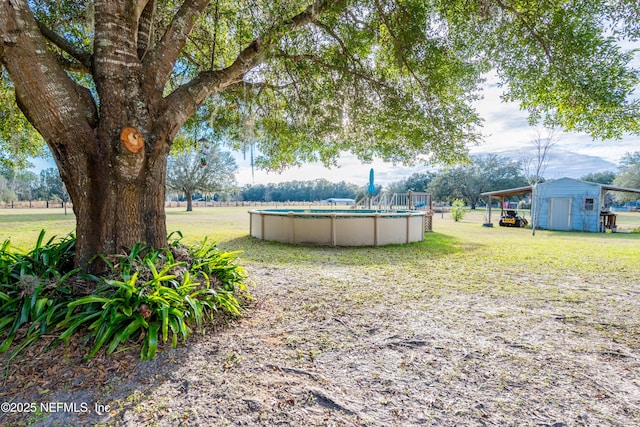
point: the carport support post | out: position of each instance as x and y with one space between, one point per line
534 208
488 217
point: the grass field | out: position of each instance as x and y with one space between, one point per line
472 326
220 224
468 255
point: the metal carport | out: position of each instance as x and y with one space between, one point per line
501 194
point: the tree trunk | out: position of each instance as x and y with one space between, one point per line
112 160
118 207
189 201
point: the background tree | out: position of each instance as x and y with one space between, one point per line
484 173
256 193
418 181
109 86
443 187
18 184
7 175
534 166
605 178
24 184
629 176
7 194
51 186
207 170
299 191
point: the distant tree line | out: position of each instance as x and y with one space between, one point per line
300 191
629 175
491 173
465 182
19 185
484 173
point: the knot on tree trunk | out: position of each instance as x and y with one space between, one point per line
131 140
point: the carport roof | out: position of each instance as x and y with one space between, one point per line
508 192
622 189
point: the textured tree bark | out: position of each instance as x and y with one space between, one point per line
120 206
117 188
189 202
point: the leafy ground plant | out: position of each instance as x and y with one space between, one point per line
147 296
33 290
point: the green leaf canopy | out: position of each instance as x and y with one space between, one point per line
394 79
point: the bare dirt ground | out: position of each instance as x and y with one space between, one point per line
336 345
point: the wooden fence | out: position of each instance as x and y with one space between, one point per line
35 204
39 204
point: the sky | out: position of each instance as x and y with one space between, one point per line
507 133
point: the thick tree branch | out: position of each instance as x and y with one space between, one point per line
60 109
161 60
145 26
186 99
255 53
80 55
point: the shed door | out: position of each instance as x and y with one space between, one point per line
560 213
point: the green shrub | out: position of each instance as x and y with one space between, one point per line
33 290
147 296
154 297
457 210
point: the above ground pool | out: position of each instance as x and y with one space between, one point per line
339 227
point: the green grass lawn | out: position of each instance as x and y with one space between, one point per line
230 227
467 254
22 226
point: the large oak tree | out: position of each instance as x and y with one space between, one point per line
109 83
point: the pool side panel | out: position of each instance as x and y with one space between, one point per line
337 228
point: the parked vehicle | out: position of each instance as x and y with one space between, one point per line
512 219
